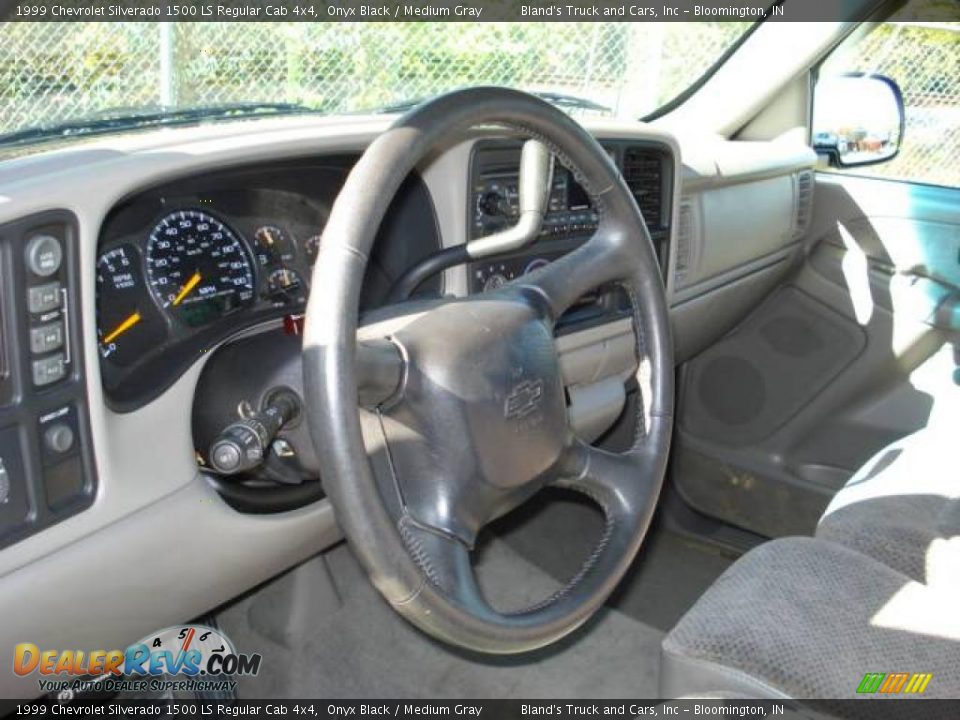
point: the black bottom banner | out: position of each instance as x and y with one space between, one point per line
556 710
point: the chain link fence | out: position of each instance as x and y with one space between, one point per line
56 72
924 59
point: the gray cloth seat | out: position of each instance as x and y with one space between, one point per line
875 591
806 618
903 507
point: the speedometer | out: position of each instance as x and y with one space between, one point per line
197 267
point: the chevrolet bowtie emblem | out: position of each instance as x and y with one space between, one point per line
523 399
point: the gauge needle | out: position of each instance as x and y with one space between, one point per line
185 290
122 328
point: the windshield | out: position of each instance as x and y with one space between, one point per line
54 77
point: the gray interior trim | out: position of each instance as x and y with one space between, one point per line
602 351
734 225
711 163
723 280
595 364
594 408
700 320
171 560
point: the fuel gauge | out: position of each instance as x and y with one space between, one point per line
273 246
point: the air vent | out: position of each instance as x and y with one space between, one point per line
643 173
804 203
683 252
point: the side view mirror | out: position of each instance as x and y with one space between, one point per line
857 119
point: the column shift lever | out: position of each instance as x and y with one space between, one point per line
242 445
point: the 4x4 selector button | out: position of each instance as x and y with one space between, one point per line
43 255
49 369
43 298
46 338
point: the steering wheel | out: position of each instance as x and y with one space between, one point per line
477 422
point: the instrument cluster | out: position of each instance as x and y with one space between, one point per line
183 266
194 270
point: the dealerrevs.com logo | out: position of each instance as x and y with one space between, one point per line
182 658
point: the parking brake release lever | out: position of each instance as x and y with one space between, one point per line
242 445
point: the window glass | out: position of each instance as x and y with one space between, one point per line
52 73
924 59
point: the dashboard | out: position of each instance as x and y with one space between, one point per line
492 206
185 265
220 265
264 189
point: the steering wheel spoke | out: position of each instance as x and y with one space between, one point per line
618 482
559 284
445 561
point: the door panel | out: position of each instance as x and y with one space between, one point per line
852 353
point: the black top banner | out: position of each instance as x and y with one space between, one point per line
450 10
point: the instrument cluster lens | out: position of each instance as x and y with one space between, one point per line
197 267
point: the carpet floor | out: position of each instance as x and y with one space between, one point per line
324 631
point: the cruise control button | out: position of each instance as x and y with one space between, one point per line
226 457
43 255
49 369
43 298
46 338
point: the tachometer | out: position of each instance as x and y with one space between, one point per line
128 326
198 268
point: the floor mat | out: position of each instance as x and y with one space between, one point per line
359 648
